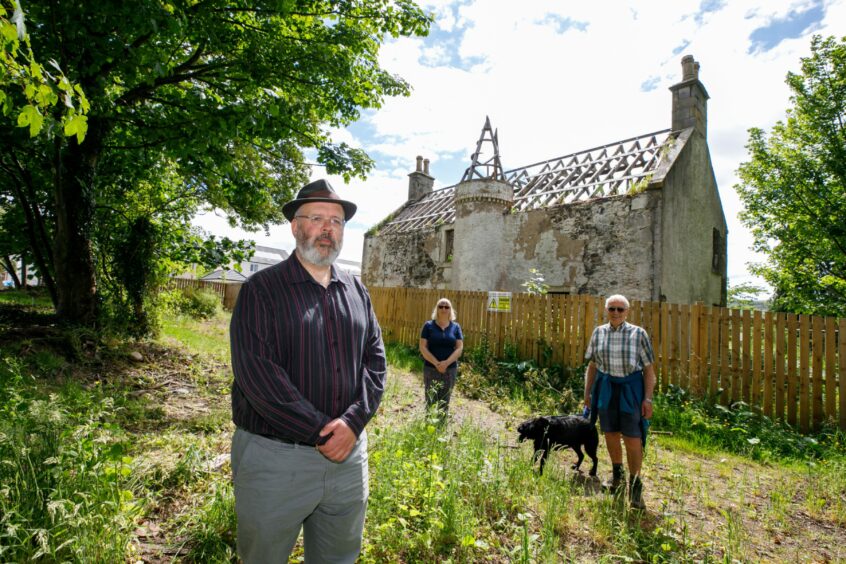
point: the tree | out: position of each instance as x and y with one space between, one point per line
193 104
745 295
794 188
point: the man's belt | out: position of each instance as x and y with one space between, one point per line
286 441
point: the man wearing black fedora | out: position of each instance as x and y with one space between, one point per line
309 367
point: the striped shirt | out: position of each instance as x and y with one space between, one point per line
620 351
303 354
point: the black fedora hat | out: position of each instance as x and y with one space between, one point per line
317 191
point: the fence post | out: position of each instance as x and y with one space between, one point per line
830 370
842 363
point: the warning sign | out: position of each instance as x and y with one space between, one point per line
499 301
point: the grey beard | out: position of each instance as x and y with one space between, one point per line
312 254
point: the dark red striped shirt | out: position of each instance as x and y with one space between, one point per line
303 354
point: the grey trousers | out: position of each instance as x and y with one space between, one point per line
438 387
280 488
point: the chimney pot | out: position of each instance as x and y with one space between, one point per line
690 68
419 181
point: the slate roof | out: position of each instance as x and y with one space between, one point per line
609 170
227 275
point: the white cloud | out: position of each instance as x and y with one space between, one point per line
557 77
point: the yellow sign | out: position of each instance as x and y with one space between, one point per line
499 301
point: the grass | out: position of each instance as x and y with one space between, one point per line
33 298
89 438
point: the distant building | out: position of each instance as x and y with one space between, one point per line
261 259
641 217
264 257
23 270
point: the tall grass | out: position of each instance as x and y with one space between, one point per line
67 486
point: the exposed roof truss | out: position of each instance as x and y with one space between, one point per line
491 168
609 170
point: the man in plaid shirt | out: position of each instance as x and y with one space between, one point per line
619 383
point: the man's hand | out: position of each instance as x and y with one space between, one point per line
340 444
442 366
646 409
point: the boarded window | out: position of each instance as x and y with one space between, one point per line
718 256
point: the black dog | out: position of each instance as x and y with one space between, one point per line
569 431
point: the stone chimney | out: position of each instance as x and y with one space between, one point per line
419 181
690 99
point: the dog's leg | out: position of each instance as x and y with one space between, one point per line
590 449
578 450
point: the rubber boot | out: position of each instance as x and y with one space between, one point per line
636 493
618 482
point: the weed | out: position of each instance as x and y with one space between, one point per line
402 357
740 429
67 489
209 528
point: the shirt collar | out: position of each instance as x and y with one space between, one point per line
298 274
618 328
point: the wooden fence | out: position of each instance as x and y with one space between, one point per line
228 291
791 366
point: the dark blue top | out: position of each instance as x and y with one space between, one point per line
441 342
303 354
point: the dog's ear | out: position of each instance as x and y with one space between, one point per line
543 420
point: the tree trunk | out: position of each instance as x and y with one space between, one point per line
36 232
10 268
24 283
73 257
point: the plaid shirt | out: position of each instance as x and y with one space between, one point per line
620 351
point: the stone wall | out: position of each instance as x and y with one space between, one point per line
413 260
599 247
692 212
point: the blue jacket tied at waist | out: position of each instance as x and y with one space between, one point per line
631 396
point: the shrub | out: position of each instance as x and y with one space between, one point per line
201 304
543 389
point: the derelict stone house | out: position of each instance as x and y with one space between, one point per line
641 217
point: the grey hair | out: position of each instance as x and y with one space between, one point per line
451 309
616 298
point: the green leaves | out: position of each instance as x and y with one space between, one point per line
794 188
30 117
76 124
41 89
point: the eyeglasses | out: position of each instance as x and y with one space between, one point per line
442 306
617 309
319 220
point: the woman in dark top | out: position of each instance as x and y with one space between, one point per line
441 343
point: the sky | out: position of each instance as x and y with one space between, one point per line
557 77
